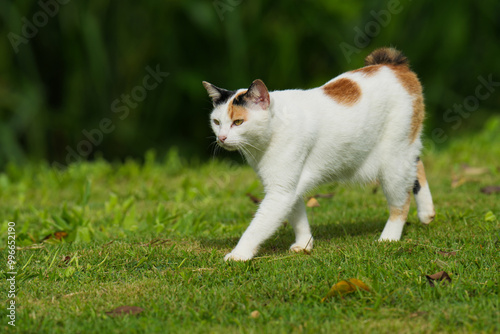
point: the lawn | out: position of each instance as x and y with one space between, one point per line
102 235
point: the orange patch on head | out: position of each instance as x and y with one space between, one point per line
367 70
343 91
412 85
237 111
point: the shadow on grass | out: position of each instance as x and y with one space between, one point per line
282 240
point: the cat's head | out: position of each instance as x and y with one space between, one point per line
240 118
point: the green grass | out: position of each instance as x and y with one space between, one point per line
154 235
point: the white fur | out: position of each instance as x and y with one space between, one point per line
306 138
425 207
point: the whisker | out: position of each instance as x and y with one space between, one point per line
247 151
215 148
252 146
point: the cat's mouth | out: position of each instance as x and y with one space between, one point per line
227 146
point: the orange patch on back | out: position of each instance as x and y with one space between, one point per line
237 111
408 79
367 70
343 91
412 85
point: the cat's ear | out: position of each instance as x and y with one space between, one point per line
218 95
258 94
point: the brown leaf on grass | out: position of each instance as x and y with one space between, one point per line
441 264
108 243
360 284
312 203
417 314
490 190
344 287
457 181
254 199
124 310
59 235
474 171
66 258
156 242
447 253
72 294
255 314
203 269
328 195
441 276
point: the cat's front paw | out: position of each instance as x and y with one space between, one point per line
426 216
306 245
236 256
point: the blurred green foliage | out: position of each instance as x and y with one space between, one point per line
81 59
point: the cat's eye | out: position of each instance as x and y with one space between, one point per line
238 122
216 122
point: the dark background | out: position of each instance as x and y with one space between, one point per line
64 63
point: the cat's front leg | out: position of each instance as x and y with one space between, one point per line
298 220
273 210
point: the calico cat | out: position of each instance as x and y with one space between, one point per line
361 126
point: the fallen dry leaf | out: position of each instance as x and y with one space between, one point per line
344 287
66 258
328 195
441 276
108 243
59 235
360 284
447 253
441 264
417 314
457 181
72 294
124 310
474 171
254 199
255 314
312 203
203 269
490 190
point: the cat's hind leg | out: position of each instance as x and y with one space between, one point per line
298 220
423 197
397 219
396 184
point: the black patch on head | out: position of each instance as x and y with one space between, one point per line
224 95
416 187
240 100
418 159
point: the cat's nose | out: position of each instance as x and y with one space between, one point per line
222 139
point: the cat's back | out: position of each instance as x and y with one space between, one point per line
385 95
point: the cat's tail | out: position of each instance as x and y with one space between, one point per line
386 56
